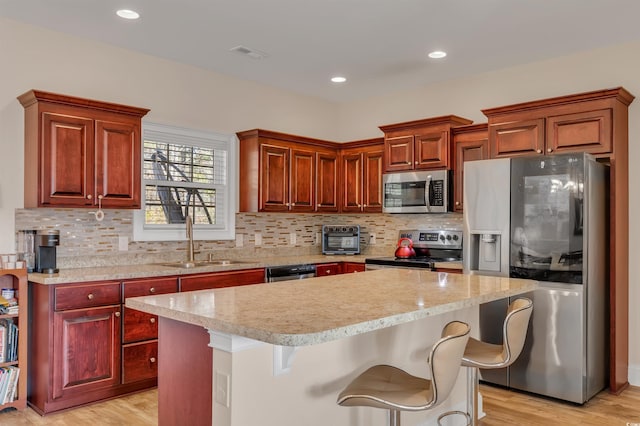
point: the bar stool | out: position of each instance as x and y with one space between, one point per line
479 354
384 386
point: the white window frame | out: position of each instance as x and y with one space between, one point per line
229 206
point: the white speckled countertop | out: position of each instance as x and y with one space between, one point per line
316 310
120 272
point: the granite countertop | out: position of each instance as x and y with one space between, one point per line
316 310
120 272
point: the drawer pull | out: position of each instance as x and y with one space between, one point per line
152 320
117 314
328 271
152 290
90 296
152 359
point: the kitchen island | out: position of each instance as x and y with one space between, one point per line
283 351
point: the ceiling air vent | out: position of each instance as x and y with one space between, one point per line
252 53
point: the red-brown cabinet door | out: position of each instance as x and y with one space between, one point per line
274 185
86 350
117 164
67 160
303 181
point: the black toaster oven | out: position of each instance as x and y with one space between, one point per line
341 239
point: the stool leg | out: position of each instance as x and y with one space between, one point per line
472 395
394 417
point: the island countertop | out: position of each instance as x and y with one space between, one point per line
317 310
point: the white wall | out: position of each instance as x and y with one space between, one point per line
34 58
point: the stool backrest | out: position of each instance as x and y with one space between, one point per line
515 329
445 358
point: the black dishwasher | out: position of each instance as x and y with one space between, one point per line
290 272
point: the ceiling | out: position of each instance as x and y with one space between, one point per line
380 46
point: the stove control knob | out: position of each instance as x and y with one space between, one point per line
442 237
448 237
455 238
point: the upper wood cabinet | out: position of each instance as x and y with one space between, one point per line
582 122
282 173
362 176
420 144
80 152
470 143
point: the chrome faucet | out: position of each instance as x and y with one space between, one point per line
190 250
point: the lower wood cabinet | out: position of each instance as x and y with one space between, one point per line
213 280
326 269
86 346
76 339
140 330
86 350
351 267
140 361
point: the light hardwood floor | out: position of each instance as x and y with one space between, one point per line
502 408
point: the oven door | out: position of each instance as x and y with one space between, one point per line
416 192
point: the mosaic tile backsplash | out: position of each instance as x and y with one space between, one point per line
85 242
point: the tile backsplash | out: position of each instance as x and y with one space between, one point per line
86 242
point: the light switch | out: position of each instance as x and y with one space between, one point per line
239 240
292 238
258 240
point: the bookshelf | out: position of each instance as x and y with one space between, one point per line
17 279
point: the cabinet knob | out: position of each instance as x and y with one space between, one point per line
457 203
152 360
152 290
89 196
416 162
293 204
90 296
549 150
152 320
539 151
364 205
117 314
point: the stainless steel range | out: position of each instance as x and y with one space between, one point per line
430 246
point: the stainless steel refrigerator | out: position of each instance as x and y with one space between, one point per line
544 218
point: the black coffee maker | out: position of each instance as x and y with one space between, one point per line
46 242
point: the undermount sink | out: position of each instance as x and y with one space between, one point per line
213 262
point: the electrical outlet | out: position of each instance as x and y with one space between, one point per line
318 238
372 238
221 393
239 240
258 239
123 243
292 238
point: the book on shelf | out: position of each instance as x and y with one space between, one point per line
9 377
8 341
9 306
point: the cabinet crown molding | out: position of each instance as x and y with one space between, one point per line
452 120
618 93
33 96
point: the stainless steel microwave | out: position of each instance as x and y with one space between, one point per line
426 191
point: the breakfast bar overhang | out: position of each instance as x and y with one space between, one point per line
283 351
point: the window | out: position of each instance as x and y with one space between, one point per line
186 174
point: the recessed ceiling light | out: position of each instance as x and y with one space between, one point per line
437 54
128 14
338 79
